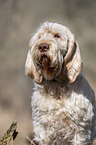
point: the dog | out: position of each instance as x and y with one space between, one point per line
63 103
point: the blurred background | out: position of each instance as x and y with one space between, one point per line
19 20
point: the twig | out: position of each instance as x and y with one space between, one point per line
32 143
10 135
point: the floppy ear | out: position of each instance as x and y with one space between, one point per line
73 62
30 69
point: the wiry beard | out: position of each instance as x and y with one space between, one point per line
49 70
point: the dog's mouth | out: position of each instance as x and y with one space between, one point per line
49 70
44 62
46 66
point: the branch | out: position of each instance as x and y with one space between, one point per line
10 135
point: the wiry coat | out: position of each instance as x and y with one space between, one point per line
63 103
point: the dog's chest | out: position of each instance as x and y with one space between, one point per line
56 117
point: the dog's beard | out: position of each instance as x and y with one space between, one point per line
49 70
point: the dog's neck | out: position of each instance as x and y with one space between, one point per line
60 88
51 88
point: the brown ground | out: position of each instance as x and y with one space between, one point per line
18 21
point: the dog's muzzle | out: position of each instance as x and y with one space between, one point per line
43 60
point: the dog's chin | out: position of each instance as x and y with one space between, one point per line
48 69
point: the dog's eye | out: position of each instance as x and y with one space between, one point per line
57 36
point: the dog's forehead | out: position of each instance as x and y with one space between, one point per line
58 27
53 28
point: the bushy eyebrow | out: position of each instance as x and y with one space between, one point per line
47 30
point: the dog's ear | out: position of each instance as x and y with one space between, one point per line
30 69
73 61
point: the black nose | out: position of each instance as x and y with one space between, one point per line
43 47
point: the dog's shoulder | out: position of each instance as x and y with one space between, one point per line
82 86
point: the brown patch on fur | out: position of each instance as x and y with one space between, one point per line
31 75
64 118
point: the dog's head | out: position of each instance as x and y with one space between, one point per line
53 53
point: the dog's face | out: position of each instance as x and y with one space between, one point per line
53 52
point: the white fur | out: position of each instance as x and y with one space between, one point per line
63 111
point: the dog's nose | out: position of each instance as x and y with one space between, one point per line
43 47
